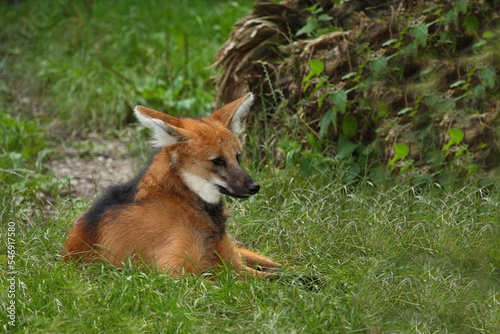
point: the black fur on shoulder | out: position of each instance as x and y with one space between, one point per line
217 214
113 197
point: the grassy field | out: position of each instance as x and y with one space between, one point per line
393 257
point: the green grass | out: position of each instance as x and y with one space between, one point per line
90 65
394 257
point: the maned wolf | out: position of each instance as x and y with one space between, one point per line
171 216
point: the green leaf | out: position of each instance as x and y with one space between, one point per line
378 175
329 116
379 65
479 91
384 109
488 74
316 67
456 136
345 147
390 163
325 17
349 126
457 83
480 44
320 100
401 150
313 7
461 5
450 16
318 86
420 33
389 42
352 172
313 142
488 34
311 25
411 48
291 149
339 99
405 110
306 166
448 37
471 24
433 100
348 75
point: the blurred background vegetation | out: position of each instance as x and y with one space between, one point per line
385 87
70 70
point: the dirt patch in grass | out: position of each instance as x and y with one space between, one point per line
92 166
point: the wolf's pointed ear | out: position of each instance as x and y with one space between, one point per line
165 128
231 114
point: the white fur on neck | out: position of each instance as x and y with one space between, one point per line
160 135
203 188
236 123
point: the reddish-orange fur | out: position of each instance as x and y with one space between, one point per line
167 224
79 245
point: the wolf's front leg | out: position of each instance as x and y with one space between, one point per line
245 262
257 261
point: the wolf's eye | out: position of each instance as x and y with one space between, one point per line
218 162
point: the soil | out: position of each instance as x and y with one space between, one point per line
91 171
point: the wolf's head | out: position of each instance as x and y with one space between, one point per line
205 151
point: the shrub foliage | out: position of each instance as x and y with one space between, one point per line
410 86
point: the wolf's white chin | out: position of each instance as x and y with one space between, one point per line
208 191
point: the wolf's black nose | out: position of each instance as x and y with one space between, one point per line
253 188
